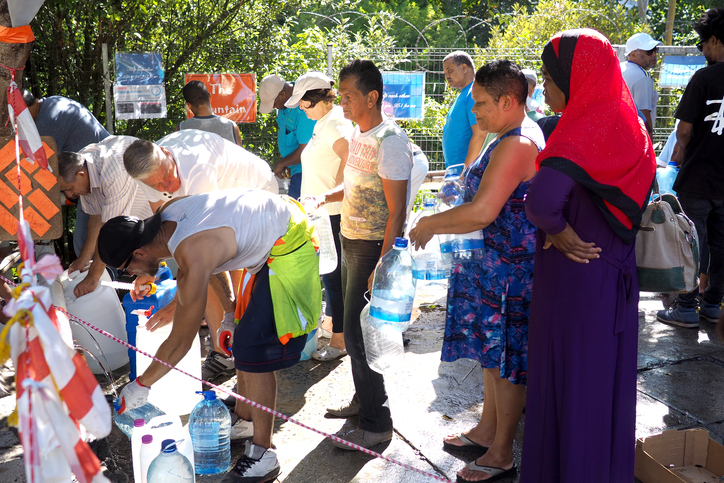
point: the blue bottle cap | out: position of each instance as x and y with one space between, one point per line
168 445
401 242
208 395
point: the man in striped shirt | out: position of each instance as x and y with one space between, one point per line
98 176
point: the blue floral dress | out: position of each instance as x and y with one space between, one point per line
489 294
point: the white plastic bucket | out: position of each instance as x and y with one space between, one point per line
174 393
102 309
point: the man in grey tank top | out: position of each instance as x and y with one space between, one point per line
197 100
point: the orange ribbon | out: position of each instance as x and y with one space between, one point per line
16 35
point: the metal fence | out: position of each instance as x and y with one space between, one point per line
260 137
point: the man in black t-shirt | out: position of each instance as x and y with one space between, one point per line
699 152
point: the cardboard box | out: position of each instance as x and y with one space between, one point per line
674 456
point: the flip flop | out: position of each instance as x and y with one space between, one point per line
468 444
494 472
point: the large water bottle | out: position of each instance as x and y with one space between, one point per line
127 420
666 177
327 249
170 466
451 191
210 428
384 348
146 454
393 288
428 264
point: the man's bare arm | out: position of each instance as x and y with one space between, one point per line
221 283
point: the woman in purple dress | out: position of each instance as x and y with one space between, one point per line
593 180
489 293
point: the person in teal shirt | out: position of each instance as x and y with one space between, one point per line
295 129
462 141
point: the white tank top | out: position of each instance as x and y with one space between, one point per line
258 218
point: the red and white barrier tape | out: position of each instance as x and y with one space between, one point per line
248 401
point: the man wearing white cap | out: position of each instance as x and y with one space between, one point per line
641 54
532 108
295 129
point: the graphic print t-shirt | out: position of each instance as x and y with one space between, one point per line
382 152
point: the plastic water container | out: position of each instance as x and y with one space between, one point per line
102 309
384 348
210 428
310 346
137 441
174 393
152 434
165 292
429 264
393 288
455 248
451 191
126 422
327 249
170 466
666 177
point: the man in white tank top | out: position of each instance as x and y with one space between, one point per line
207 235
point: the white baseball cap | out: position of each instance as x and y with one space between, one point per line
530 75
269 88
641 41
308 82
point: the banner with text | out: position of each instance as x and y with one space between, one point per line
139 92
232 96
403 94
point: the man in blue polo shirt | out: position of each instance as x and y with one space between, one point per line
295 129
461 143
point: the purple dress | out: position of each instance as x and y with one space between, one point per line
583 334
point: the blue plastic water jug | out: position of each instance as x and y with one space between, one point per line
210 429
666 178
165 292
170 466
393 288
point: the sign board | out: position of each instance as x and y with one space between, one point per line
232 96
678 69
40 189
139 102
403 95
139 69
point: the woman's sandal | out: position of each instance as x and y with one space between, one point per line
468 444
494 472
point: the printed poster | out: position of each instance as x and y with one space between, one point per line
139 69
139 102
403 94
232 96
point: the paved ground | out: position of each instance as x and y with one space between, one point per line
680 383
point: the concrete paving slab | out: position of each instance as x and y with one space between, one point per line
691 387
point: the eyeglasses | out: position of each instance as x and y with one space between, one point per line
700 45
652 51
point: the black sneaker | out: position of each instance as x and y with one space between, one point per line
256 465
217 365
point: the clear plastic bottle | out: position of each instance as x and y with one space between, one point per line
170 466
327 249
428 264
666 177
210 429
147 454
393 288
451 190
384 348
126 421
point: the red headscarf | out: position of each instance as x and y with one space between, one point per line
599 141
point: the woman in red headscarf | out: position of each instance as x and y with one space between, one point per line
594 178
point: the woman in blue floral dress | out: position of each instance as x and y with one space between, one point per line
489 293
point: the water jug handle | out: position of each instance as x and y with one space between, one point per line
164 273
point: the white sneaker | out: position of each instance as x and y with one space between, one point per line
242 429
256 465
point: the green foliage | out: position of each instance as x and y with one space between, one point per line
532 31
687 12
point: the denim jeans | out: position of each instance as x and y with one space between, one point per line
333 282
295 186
81 228
708 218
359 258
